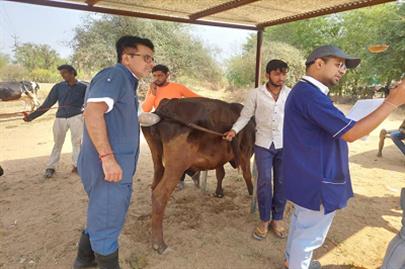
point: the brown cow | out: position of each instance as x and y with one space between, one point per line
177 148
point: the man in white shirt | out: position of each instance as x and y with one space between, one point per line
266 104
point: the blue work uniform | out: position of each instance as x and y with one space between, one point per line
315 166
109 201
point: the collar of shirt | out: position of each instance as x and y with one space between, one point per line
128 71
318 84
65 82
264 89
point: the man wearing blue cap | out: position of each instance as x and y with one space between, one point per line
316 166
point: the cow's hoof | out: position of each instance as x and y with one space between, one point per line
160 248
218 195
49 172
379 155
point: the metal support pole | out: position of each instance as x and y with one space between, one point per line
258 56
253 204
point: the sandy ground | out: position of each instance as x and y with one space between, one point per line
41 220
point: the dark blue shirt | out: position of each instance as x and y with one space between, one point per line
70 100
315 158
119 84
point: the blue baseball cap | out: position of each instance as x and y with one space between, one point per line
329 50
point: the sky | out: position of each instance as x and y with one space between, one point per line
54 27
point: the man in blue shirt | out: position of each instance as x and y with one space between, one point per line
70 97
315 166
110 149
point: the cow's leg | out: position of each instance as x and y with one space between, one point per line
220 174
33 100
177 161
160 197
36 102
156 149
247 174
158 169
383 134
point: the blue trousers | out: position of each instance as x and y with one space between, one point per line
271 200
107 209
397 138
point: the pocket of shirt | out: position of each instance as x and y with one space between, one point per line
333 192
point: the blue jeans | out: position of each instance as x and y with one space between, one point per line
397 138
271 201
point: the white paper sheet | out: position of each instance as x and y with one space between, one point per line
364 107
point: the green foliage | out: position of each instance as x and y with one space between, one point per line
33 56
241 69
44 75
352 31
94 46
37 62
4 60
12 72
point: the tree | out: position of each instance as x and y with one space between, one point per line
241 68
4 60
94 41
33 56
353 31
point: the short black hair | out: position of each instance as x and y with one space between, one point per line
130 41
68 67
276 65
160 67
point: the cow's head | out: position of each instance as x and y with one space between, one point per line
29 86
34 85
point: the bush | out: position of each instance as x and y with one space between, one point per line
12 72
44 75
241 68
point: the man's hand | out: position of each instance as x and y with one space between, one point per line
26 119
112 170
153 88
229 135
397 94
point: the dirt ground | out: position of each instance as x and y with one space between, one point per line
41 220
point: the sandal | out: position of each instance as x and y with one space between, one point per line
259 234
278 230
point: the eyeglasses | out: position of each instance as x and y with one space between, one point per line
147 58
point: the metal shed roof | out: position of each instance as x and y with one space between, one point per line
242 14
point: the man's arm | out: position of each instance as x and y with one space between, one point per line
246 114
149 102
50 100
370 122
97 129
